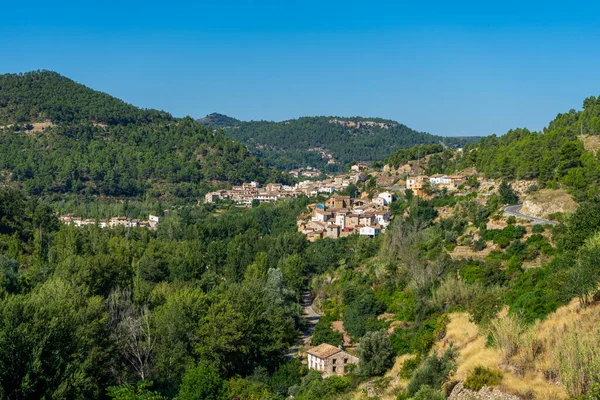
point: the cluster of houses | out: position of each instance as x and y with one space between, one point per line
343 216
247 193
151 223
309 172
439 181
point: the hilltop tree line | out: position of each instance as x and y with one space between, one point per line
284 144
99 145
556 156
46 95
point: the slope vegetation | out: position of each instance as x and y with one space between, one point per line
315 140
94 144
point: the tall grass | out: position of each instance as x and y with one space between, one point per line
576 355
506 332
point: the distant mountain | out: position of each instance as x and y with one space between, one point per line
331 143
58 136
217 120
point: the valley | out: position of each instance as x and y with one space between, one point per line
148 256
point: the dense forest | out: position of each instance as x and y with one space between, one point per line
286 144
205 307
94 144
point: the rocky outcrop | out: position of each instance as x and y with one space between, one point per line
546 202
460 393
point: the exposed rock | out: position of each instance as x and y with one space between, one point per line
544 202
460 393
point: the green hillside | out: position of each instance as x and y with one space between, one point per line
99 145
556 156
299 142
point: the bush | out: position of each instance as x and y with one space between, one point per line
511 220
538 228
434 371
481 377
375 353
479 245
427 393
485 306
202 382
409 366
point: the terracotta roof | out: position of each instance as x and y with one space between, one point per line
323 350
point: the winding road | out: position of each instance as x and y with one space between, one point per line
515 211
310 320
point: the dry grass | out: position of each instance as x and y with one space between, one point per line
471 343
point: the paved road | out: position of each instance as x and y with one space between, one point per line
310 320
515 211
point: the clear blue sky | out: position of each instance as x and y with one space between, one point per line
446 67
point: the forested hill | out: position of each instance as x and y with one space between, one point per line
308 140
58 136
46 95
217 120
563 154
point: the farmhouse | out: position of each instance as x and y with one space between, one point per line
329 359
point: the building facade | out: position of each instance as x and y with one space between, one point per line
329 359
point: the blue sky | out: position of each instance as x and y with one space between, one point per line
449 68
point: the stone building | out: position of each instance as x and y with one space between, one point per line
329 359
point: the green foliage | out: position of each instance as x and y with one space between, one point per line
285 144
552 156
324 333
427 393
507 194
537 228
480 377
582 224
361 311
409 366
100 145
434 371
202 383
315 387
128 392
375 354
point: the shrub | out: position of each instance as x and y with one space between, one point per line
485 306
409 366
511 220
479 245
455 294
427 393
537 228
375 353
202 382
434 371
481 377
324 333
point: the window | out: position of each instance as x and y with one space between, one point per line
333 361
345 361
333 369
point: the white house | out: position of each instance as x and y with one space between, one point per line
370 231
327 189
439 179
387 198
